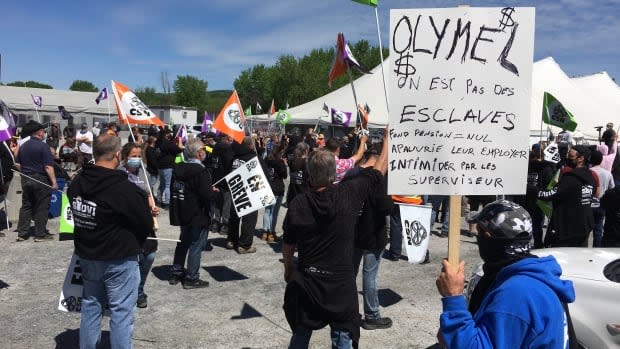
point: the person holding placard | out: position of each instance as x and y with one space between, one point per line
520 302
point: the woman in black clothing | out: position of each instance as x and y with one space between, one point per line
299 176
276 173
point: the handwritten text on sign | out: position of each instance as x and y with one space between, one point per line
460 89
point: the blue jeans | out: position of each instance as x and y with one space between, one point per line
165 177
372 259
114 283
396 232
270 217
436 201
145 263
152 182
193 239
599 219
341 339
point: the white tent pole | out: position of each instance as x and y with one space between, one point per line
354 97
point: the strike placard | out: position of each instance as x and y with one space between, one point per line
460 83
249 188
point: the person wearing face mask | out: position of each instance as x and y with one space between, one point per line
192 193
112 221
571 219
131 163
520 302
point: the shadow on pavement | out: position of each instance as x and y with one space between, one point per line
3 284
223 273
162 272
247 312
71 339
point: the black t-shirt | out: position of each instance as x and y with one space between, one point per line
33 156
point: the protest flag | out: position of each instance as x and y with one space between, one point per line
343 59
259 108
206 123
283 117
340 118
547 206
230 120
103 95
555 114
250 188
182 134
66 216
272 109
37 100
64 114
326 108
130 108
373 3
7 122
248 111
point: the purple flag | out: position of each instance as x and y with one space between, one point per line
182 133
7 122
37 100
207 123
64 114
342 118
103 95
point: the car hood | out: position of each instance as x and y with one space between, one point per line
583 263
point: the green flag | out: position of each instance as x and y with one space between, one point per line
546 206
283 117
248 111
555 114
373 3
66 216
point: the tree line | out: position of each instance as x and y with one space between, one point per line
290 81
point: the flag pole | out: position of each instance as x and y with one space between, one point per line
36 110
381 54
359 119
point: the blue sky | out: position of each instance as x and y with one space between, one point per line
56 42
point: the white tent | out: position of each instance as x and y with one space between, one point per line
589 111
605 91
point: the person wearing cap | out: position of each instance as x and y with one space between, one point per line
571 219
520 302
35 161
84 139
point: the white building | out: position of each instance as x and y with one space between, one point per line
176 115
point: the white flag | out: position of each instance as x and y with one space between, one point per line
416 224
249 188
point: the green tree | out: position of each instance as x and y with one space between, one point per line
191 92
149 96
30 83
83 85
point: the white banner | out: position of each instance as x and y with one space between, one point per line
460 84
71 293
249 188
416 224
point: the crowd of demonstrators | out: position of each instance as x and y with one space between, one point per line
606 182
84 139
520 302
222 160
320 224
192 193
169 148
112 221
298 173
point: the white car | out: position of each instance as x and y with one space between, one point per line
595 273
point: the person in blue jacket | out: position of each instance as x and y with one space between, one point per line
520 302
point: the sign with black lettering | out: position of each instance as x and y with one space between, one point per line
460 82
71 292
249 188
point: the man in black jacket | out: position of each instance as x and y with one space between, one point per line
221 162
169 148
112 220
571 220
189 208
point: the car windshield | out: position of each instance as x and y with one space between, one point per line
612 271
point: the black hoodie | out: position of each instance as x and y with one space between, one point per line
111 215
191 192
611 203
572 219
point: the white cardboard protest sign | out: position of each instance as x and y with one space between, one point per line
552 153
71 292
416 223
460 84
249 188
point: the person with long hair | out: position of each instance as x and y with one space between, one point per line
299 176
276 174
131 159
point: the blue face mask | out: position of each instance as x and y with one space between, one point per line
133 163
